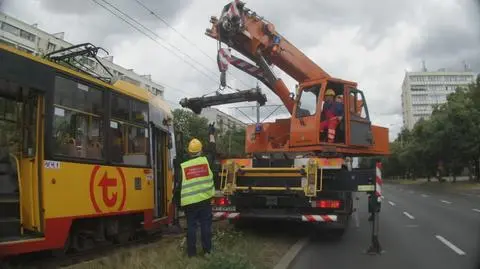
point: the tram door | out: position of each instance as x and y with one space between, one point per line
160 159
21 141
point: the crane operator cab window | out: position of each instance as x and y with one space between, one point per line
360 125
307 104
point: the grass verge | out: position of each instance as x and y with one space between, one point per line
232 250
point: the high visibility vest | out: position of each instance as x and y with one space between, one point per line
197 181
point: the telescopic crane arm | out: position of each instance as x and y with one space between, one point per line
198 103
255 38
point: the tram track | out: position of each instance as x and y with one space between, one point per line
50 260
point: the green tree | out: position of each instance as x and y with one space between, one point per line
191 125
450 136
229 142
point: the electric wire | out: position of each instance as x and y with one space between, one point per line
149 36
184 37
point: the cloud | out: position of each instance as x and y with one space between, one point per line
450 37
310 20
370 42
88 21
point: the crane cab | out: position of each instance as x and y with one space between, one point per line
312 121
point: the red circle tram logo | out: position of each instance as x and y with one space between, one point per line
108 189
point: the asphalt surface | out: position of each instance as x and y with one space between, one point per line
419 228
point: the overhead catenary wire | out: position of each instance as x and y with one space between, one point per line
177 89
150 37
136 28
172 28
159 37
277 107
183 36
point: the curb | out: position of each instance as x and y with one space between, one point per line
288 258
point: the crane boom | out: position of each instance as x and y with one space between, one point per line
341 127
257 39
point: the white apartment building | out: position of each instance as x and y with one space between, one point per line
422 90
31 39
223 121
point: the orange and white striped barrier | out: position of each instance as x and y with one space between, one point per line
378 181
226 215
319 218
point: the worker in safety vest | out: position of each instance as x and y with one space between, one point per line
197 189
333 112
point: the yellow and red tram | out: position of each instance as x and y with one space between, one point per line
81 160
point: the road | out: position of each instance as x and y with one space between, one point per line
418 229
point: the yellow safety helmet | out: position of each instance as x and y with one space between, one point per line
330 92
195 146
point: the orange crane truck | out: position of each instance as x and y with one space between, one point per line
300 167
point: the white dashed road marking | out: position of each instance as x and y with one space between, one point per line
408 215
476 210
391 203
446 202
424 195
450 245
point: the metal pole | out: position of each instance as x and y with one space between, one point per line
356 208
375 247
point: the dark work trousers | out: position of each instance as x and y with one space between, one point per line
199 214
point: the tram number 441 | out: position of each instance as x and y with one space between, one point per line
51 165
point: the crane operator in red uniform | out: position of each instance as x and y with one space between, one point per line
333 112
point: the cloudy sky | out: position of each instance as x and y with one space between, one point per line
371 42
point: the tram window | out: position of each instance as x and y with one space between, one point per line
138 140
117 149
130 144
139 112
129 131
120 107
10 132
77 120
70 93
77 134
